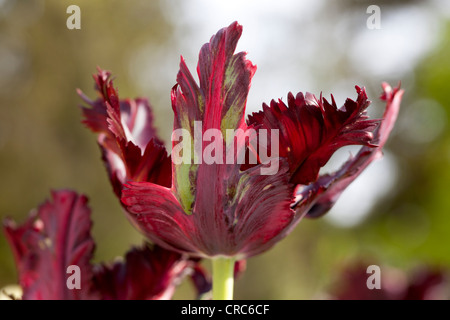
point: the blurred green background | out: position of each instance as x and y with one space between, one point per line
396 214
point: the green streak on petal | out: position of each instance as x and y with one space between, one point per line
201 103
240 190
231 74
243 191
231 192
185 173
186 123
230 121
234 114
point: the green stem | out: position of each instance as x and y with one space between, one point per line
223 278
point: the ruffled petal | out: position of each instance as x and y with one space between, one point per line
127 138
317 198
217 103
247 214
202 281
159 216
224 84
311 130
55 236
145 274
214 208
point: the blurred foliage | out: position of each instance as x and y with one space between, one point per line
43 146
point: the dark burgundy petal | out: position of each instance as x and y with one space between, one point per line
158 215
146 274
317 198
244 213
22 240
137 116
55 236
224 84
311 130
214 208
241 215
202 281
127 138
218 102
211 209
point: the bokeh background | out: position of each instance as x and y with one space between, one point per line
396 214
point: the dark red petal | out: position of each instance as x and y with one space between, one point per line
311 130
94 117
202 281
159 216
224 79
20 237
146 274
57 235
54 237
137 116
241 215
224 84
130 148
218 102
317 198
214 209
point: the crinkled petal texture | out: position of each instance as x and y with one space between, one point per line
207 205
318 198
130 148
311 130
213 208
54 237
145 274
57 235
246 220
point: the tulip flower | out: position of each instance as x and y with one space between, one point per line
54 246
231 188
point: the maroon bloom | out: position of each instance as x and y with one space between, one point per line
146 273
127 138
312 129
58 235
318 198
222 208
